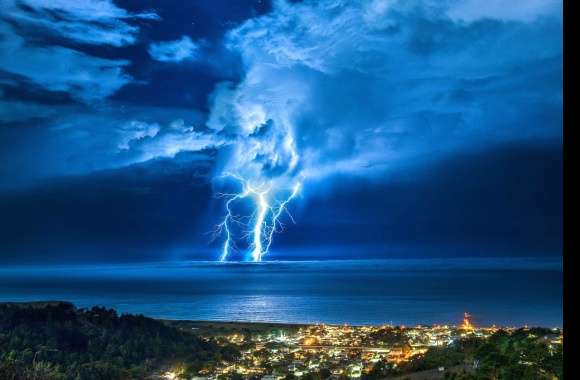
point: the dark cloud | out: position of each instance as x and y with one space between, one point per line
505 202
76 139
347 87
135 101
88 78
139 213
364 87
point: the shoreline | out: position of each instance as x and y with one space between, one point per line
232 324
73 342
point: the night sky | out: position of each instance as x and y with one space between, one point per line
415 128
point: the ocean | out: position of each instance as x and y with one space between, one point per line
506 292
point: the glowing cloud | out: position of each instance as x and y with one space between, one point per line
337 87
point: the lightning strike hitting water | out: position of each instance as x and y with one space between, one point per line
260 227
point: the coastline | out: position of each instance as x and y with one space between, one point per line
56 340
257 325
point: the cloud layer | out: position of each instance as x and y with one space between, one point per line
328 87
36 37
406 114
98 22
174 51
361 87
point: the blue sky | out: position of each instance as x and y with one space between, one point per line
421 128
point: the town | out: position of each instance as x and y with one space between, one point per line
54 340
324 351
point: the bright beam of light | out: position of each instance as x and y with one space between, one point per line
276 216
264 222
263 208
225 225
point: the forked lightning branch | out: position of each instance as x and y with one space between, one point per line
259 227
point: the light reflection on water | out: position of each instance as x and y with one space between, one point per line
523 291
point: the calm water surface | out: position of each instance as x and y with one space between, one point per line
504 292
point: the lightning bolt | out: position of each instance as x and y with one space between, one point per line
263 208
276 217
225 225
262 224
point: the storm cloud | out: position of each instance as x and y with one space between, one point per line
433 120
364 87
327 87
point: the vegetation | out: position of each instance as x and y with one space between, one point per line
390 336
225 328
522 354
57 341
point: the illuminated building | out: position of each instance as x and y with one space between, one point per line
467 325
